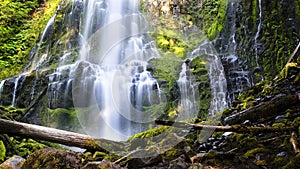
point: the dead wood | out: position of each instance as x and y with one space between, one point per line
234 128
56 136
293 54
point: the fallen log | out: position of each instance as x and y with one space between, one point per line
233 128
91 143
269 109
56 136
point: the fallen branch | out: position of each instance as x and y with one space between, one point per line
56 135
294 143
234 128
128 155
293 54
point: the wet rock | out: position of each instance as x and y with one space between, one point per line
179 163
282 154
142 162
50 158
102 164
14 162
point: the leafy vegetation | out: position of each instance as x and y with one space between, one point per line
208 15
20 25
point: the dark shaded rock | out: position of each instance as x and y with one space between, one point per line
136 163
102 165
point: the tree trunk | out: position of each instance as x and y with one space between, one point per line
56 135
234 128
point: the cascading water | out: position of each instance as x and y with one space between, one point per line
237 71
109 82
16 82
218 82
256 44
189 94
1 88
38 58
114 50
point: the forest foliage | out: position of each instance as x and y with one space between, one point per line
20 24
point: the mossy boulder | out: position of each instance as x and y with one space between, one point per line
52 158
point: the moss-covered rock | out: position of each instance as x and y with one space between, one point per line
53 158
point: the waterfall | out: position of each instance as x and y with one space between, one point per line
108 80
16 81
188 95
256 44
111 70
237 70
39 58
1 87
218 82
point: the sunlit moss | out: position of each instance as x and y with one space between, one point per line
150 133
2 151
20 41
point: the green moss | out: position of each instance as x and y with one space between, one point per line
150 133
172 153
11 113
62 118
2 151
254 10
28 146
252 153
246 102
294 163
198 68
261 163
214 28
297 8
21 31
289 70
279 161
52 158
279 125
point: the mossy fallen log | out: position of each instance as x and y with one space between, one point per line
233 128
277 106
56 136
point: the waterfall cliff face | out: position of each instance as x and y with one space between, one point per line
96 64
93 57
237 69
256 41
109 77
